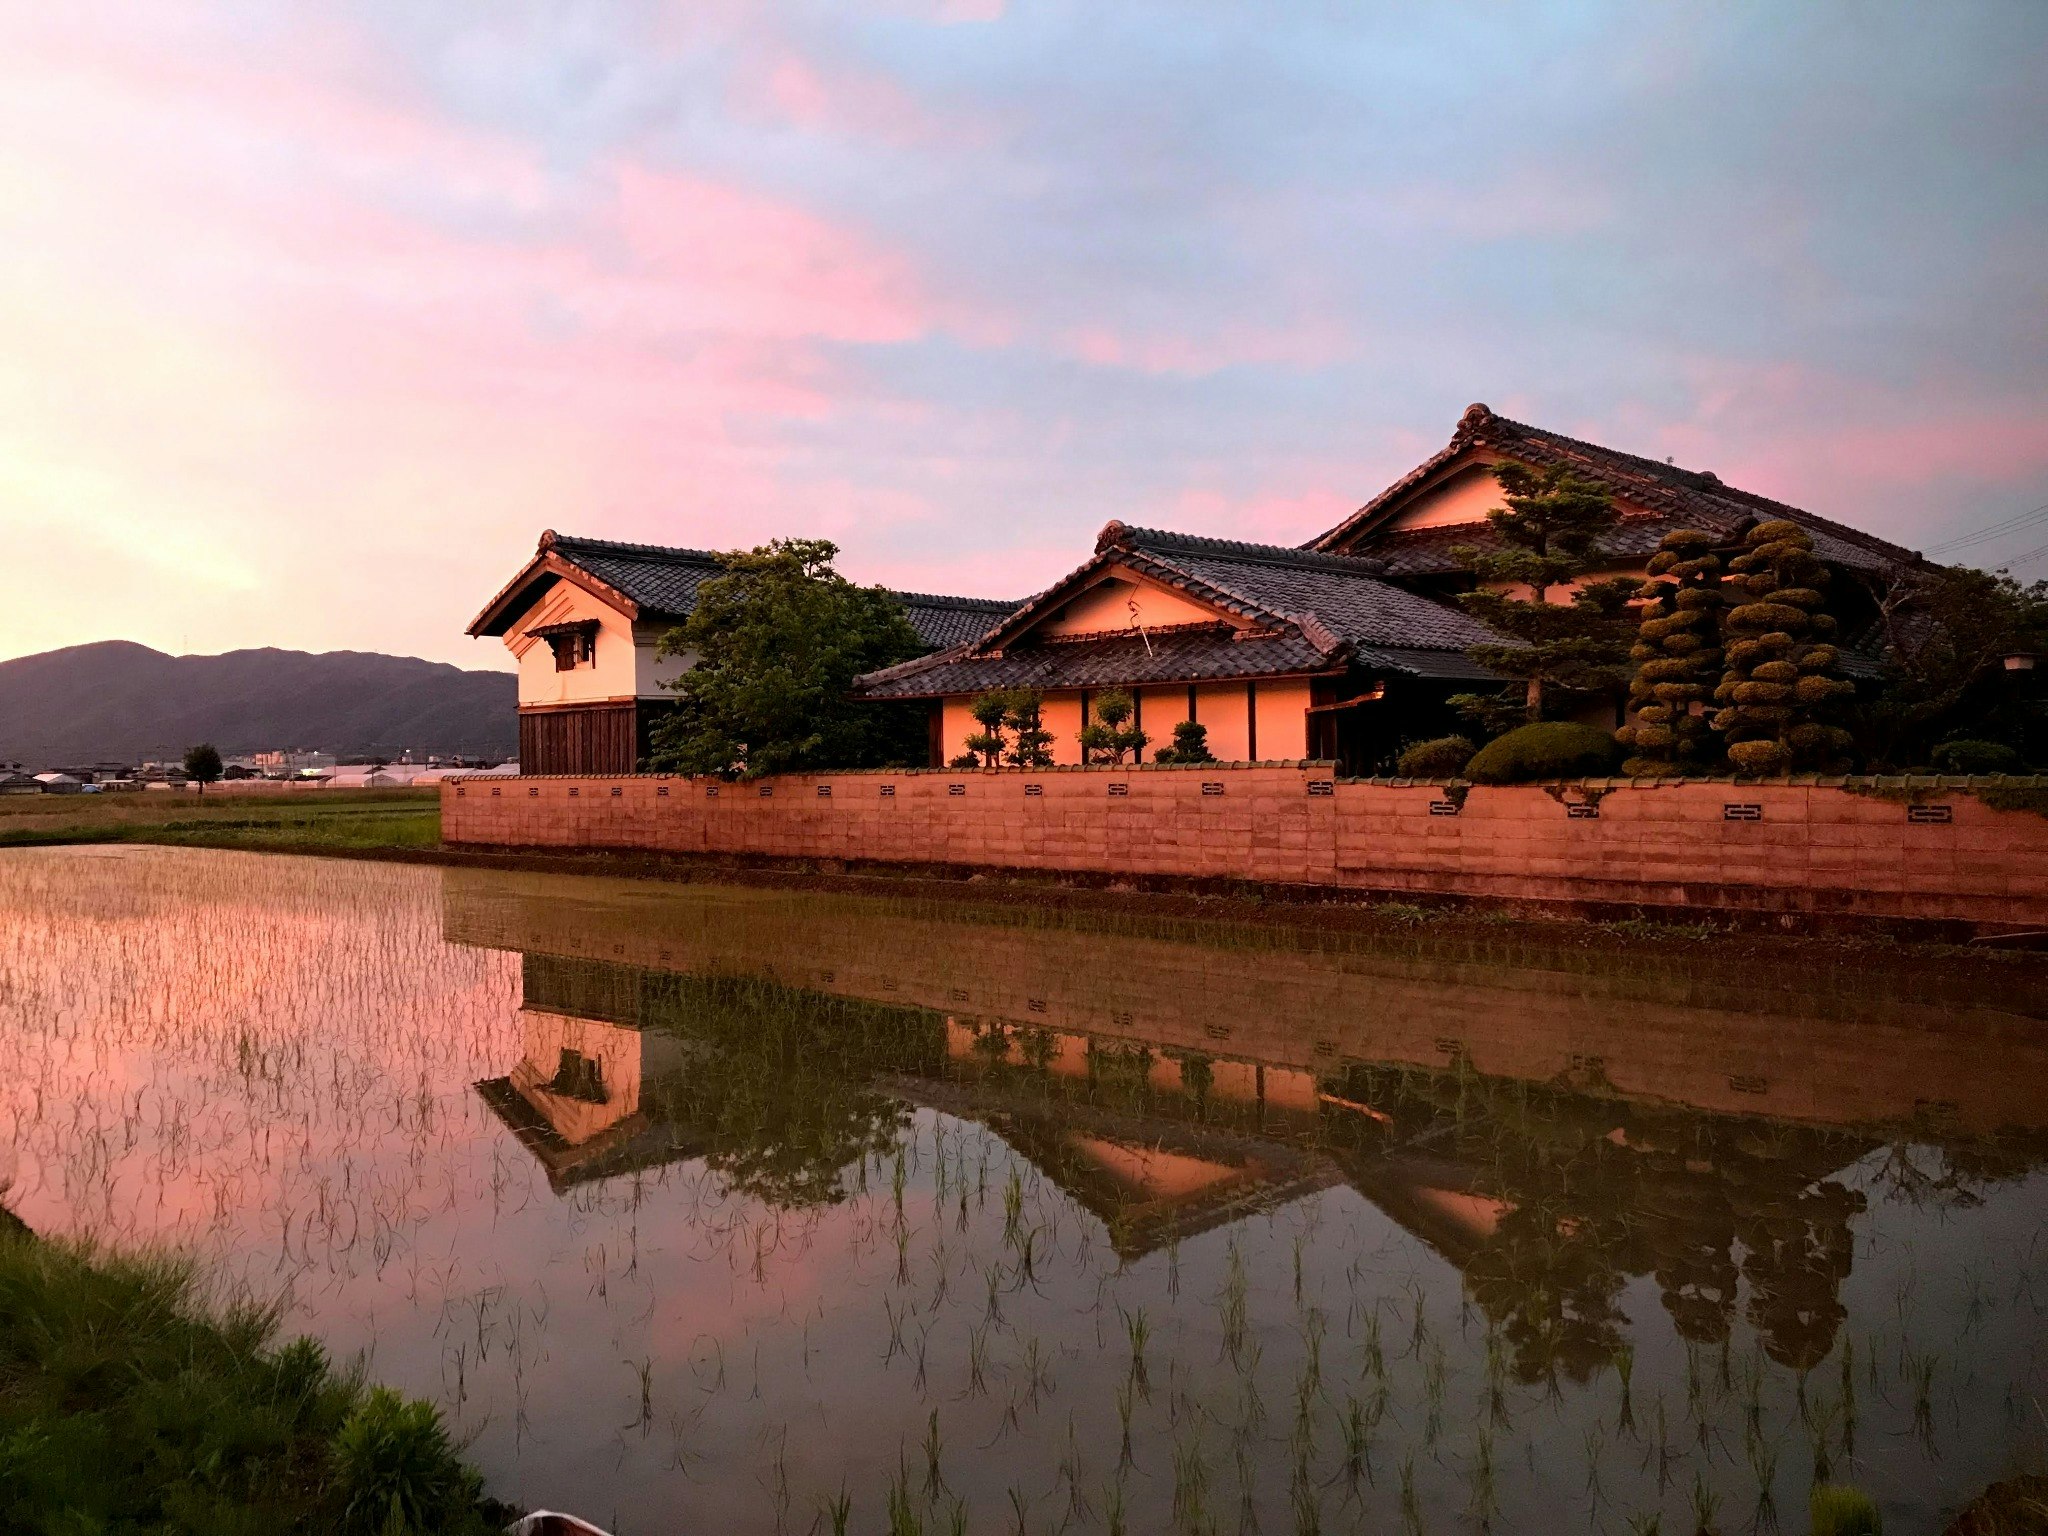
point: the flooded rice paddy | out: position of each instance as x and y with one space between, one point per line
740 1210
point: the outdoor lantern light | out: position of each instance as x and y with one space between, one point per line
2020 661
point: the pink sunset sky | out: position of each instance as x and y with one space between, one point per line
313 316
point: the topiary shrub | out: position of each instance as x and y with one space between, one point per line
1190 744
1444 757
1551 749
1977 757
1778 690
1678 660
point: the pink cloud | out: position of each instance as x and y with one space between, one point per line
350 314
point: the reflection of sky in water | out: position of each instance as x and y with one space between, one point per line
601 1199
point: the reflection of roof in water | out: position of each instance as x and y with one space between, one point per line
1151 1180
634 1143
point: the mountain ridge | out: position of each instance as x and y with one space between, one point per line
121 701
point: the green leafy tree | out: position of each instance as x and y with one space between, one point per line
1190 744
1564 649
1778 689
1946 633
778 640
1110 737
203 765
1678 660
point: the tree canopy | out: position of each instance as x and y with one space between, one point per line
1946 634
203 764
777 641
1549 536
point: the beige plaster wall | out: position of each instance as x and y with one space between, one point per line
1466 497
1283 720
626 665
1107 605
1222 708
616 672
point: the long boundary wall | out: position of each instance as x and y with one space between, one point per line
1921 849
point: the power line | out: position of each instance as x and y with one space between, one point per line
2033 554
1996 530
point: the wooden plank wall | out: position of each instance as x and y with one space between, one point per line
598 739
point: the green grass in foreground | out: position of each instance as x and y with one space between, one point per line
300 819
126 1406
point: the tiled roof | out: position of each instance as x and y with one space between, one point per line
663 581
1310 612
1346 593
949 621
1181 657
1671 498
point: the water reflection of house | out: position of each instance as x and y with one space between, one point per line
1552 1134
1158 1146
1865 1040
578 1098
1548 1198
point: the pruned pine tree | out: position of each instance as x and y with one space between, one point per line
987 744
1110 737
1567 639
1678 660
1030 742
1779 686
1190 745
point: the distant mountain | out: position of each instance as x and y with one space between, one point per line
118 701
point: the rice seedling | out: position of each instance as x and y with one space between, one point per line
1762 1455
1138 1330
1190 1485
837 1512
1705 1502
818 1149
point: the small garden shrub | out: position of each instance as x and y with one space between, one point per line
1976 757
1550 749
1190 745
396 1470
1443 757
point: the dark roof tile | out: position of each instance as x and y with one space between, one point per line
664 582
1672 498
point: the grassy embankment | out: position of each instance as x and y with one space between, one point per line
128 1405
297 821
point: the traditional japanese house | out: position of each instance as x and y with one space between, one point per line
1349 646
585 618
1416 524
1278 652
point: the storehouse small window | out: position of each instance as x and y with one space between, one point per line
573 648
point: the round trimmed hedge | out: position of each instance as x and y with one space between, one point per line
1441 757
1977 757
1550 749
